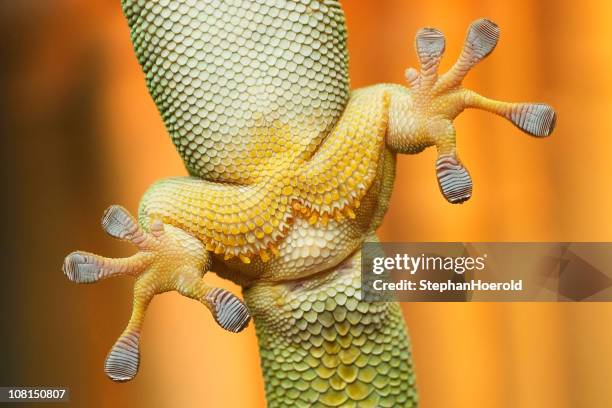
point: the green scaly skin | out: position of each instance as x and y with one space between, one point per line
321 345
290 173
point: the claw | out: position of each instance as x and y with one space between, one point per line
169 259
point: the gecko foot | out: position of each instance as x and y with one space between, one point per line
168 259
438 100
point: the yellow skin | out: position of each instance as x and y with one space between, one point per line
289 234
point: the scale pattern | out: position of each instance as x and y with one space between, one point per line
224 73
321 346
251 220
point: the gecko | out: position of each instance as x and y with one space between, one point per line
290 172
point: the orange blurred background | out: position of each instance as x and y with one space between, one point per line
79 132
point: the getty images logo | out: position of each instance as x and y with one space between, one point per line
413 264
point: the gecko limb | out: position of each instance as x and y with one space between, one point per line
167 259
437 100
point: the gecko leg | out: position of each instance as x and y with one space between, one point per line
437 100
168 259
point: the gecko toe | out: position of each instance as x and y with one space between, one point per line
80 268
536 119
123 360
229 312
